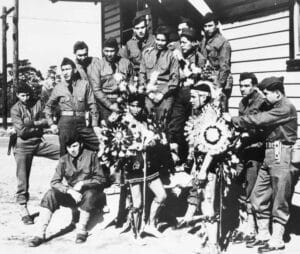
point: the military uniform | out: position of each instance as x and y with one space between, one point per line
167 67
73 105
252 149
134 48
105 87
181 109
217 50
84 168
273 189
29 124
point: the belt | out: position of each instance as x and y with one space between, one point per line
72 113
276 144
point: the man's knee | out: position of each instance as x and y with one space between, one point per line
161 198
50 200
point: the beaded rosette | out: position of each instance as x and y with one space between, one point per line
208 132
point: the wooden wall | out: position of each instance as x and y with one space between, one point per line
261 45
111 18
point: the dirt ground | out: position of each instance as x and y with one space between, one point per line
14 235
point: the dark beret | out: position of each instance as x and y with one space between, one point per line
173 36
79 45
67 61
210 17
138 19
200 86
190 33
23 88
272 84
110 43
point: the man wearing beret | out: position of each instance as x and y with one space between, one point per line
74 97
273 188
159 74
217 50
190 63
140 40
106 76
251 154
28 122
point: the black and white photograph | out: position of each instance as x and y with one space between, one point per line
150 126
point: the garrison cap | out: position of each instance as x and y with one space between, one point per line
68 61
110 43
138 19
272 84
190 33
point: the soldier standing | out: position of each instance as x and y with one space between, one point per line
106 76
159 74
217 50
28 123
272 192
73 96
251 154
190 60
140 40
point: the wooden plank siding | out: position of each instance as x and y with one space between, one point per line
111 19
261 45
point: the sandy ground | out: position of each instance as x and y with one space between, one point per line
14 235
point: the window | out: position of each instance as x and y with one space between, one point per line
294 63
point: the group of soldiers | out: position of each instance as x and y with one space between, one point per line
172 79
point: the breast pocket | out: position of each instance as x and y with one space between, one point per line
64 99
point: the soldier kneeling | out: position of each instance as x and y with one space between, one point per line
83 189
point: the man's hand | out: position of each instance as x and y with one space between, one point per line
114 107
78 186
75 195
54 128
177 54
97 130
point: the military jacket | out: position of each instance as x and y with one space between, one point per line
87 169
165 64
81 100
217 50
280 122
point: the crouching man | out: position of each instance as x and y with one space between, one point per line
84 181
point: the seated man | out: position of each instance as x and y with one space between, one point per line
84 184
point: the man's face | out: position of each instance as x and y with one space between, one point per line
246 87
109 53
134 108
198 98
272 96
74 149
210 28
81 55
180 27
186 45
67 72
50 81
23 97
161 41
140 30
